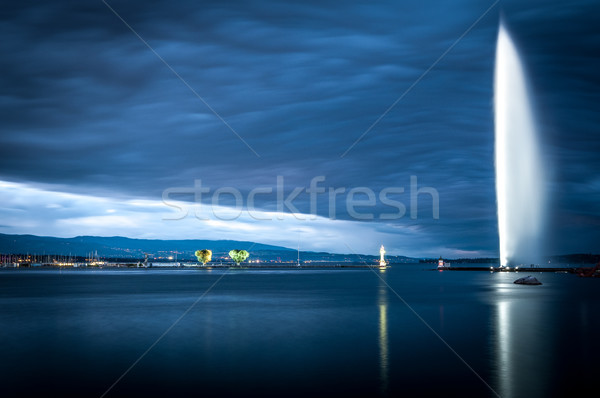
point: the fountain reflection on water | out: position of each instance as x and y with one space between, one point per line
503 349
524 356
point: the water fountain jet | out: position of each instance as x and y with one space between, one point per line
519 179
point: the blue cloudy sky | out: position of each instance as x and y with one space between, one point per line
95 126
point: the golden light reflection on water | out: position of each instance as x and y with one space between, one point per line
383 335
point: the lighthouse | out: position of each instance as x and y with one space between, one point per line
442 264
382 263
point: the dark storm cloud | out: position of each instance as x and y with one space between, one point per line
85 105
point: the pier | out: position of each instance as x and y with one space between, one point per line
511 269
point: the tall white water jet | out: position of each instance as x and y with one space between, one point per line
519 180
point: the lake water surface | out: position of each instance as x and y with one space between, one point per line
408 331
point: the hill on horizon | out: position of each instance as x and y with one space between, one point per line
159 249
118 246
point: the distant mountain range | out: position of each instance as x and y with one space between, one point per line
162 250
118 247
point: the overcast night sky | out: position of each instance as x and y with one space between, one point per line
95 126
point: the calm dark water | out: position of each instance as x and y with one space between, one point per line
297 333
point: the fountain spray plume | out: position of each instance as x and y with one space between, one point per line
519 171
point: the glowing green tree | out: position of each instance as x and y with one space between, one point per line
238 256
204 256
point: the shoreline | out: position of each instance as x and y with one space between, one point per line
211 267
516 270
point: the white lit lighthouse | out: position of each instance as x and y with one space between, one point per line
382 263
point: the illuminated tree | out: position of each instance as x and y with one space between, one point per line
204 256
238 256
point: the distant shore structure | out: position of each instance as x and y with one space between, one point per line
442 264
382 263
